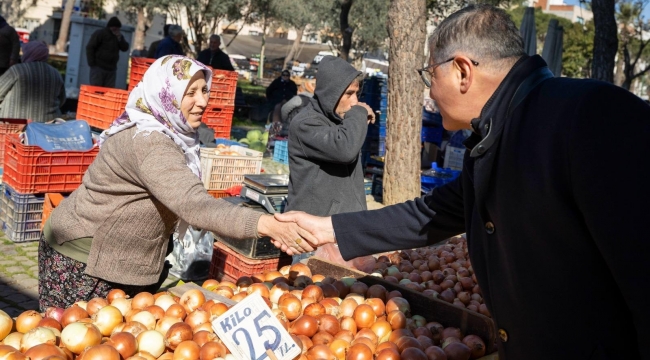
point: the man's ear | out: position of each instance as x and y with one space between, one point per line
465 72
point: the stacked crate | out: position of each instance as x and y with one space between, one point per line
375 94
100 106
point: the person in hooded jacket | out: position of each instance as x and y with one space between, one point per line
103 53
325 140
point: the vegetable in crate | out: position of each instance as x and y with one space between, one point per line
553 234
113 231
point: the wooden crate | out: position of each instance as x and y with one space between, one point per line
467 321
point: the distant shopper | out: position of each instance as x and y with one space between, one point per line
214 56
171 45
151 53
103 53
9 46
282 88
32 89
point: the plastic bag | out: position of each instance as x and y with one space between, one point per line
65 136
192 255
331 252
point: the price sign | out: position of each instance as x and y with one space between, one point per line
249 329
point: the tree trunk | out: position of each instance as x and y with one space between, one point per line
294 47
346 29
260 67
138 41
619 76
65 26
407 33
605 40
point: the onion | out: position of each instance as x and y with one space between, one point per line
377 306
398 303
319 352
165 323
260 289
330 324
123 304
302 282
304 325
218 309
178 333
298 269
346 335
212 350
406 342
413 353
313 291
176 311
202 337
124 343
399 333
13 340
197 318
27 320
278 290
364 316
451 332
95 304
50 323
100 352
145 318
107 318
192 300
322 338
6 324
142 300
291 306
115 294
210 284
165 301
37 336
132 327
187 350
78 336
396 319
457 351
156 311
203 327
475 345
388 354
348 323
142 355
239 297
152 342
382 329
435 353
43 351
339 348
315 310
346 309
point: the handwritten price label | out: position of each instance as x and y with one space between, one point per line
249 329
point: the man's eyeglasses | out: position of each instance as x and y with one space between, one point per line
427 72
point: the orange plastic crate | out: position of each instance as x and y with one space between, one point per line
228 262
51 201
218 194
139 66
100 106
219 119
9 126
32 170
224 86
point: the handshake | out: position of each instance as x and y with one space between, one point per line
297 232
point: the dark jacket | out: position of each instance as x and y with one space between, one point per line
9 44
555 213
280 90
168 46
103 49
325 170
151 52
217 59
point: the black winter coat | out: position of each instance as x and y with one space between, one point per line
555 213
103 49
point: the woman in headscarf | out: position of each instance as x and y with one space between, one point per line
32 89
114 230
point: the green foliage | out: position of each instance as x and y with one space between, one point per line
296 14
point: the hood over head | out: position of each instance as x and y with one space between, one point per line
333 77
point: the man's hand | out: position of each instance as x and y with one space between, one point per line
371 112
117 33
319 227
287 236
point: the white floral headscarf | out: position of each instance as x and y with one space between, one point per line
155 105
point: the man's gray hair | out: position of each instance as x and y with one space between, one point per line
175 30
484 32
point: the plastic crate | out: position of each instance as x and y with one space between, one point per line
226 261
218 194
223 88
100 106
367 186
432 134
30 169
139 66
219 119
220 172
229 142
9 126
281 152
21 215
51 201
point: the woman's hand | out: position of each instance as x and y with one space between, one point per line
287 236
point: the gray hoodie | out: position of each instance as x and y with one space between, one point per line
325 170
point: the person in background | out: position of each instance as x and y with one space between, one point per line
214 56
291 108
325 140
32 89
151 53
171 45
9 46
114 230
282 88
539 196
103 53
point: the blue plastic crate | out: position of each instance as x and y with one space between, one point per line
382 131
432 134
367 185
229 142
382 147
281 152
431 119
21 215
383 103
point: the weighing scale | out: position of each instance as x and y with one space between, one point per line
268 190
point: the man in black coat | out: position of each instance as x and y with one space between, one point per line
553 196
103 53
214 57
282 88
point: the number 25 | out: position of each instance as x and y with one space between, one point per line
261 329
